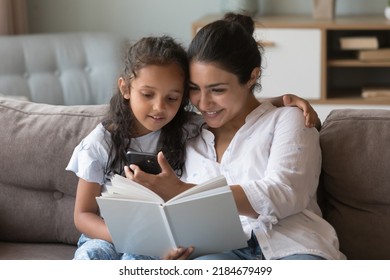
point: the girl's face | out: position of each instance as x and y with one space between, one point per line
218 95
155 96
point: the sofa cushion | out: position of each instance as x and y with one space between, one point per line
36 251
36 193
356 180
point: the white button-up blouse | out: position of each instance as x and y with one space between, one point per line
277 162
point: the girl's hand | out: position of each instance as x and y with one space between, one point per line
311 117
179 254
166 184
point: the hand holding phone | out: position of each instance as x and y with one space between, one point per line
146 161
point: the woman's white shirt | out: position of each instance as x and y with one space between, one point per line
277 162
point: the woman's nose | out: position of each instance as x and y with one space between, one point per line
204 100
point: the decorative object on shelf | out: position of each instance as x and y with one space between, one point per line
359 43
387 10
382 54
324 9
376 92
247 7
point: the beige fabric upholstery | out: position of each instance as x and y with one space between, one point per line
36 193
356 180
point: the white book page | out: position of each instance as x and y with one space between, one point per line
202 194
214 183
131 189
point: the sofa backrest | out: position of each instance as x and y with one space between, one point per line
60 68
37 195
355 179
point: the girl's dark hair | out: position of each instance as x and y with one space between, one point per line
120 119
230 44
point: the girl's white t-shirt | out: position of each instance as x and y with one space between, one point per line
90 157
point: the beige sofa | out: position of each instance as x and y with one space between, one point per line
37 194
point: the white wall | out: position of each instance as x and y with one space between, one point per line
343 7
137 18
130 18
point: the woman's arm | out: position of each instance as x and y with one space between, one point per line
288 178
311 116
243 205
86 216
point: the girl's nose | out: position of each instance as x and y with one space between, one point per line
159 105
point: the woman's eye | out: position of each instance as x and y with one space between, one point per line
193 88
218 90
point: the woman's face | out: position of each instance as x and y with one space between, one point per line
155 96
218 95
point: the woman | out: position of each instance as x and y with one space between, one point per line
271 161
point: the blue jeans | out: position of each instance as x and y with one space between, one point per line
97 249
252 252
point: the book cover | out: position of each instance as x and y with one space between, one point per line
140 222
374 55
359 43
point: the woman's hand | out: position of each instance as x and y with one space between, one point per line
311 116
166 184
179 254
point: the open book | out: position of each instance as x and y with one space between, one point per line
140 222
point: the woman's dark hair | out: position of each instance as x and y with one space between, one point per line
120 119
228 43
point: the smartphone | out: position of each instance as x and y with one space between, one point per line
146 161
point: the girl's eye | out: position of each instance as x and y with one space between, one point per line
147 94
172 99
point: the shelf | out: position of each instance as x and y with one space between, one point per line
357 63
338 76
348 96
352 100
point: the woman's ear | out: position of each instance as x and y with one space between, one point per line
254 76
124 89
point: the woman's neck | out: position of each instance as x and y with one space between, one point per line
224 134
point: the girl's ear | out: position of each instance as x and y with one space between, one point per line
125 90
254 76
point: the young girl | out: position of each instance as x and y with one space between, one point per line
148 113
271 161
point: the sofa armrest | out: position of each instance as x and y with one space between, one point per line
356 180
